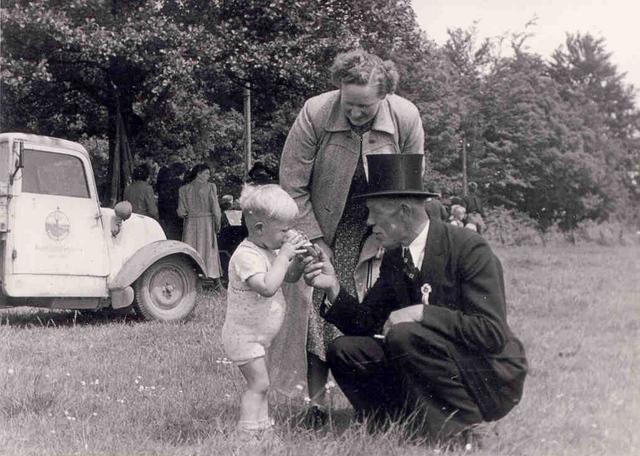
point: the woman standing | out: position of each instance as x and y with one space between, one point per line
198 206
324 163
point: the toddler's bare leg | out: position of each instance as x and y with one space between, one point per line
253 405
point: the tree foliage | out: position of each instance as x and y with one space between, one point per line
557 141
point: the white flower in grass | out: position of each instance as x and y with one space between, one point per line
307 399
83 383
10 371
299 387
330 385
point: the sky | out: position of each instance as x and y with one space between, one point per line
614 20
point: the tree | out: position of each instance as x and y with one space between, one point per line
107 55
534 154
583 66
594 87
158 68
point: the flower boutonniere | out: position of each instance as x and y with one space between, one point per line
425 289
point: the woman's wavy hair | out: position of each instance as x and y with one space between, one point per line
197 169
362 68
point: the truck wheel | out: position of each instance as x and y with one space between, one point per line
167 290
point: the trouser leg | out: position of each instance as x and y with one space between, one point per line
431 377
360 368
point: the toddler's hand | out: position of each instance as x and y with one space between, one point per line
293 244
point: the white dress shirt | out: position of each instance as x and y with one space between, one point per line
418 246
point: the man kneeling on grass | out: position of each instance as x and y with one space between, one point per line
430 343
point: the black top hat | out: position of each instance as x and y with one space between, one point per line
395 175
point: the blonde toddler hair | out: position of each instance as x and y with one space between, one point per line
269 201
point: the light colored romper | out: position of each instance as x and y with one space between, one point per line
252 320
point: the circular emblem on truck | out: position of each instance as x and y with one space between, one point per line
57 225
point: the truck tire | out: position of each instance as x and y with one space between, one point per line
166 291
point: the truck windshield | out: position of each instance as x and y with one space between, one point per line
4 163
50 173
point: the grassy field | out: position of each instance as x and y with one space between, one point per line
86 384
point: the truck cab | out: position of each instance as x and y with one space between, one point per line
60 249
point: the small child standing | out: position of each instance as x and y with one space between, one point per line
255 303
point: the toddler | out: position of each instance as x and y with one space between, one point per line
458 214
255 303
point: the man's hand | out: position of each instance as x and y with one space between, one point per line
319 273
321 245
406 314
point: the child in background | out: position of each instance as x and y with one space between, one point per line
474 222
255 304
457 215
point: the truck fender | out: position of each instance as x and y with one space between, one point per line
120 288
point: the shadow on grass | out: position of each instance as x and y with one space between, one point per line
297 418
28 317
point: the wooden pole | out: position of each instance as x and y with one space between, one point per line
464 166
247 128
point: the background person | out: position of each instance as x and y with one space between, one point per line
323 163
140 194
435 209
261 174
473 205
168 184
198 206
448 356
458 215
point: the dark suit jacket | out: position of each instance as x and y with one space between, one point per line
467 307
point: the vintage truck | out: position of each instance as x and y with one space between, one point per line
60 249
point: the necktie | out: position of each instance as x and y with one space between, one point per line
409 268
